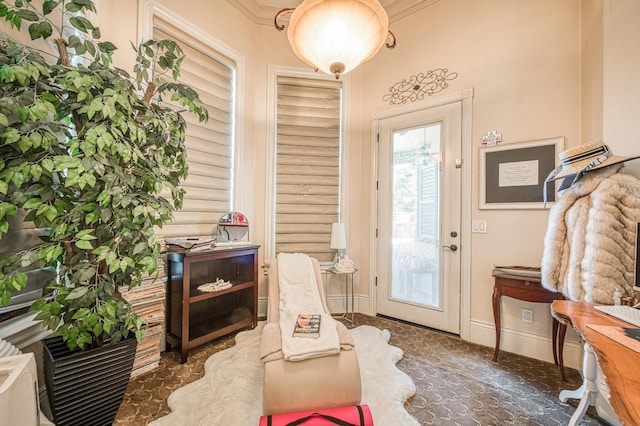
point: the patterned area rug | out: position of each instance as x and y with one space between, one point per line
230 393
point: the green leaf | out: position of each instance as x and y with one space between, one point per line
27 15
32 203
74 41
85 233
89 207
40 29
82 312
49 6
80 23
47 164
85 245
51 213
77 293
5 298
140 247
106 47
97 329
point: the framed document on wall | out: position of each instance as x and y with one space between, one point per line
512 175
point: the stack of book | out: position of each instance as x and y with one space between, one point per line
148 302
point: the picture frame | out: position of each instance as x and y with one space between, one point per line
512 175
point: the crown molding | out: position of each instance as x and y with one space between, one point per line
256 12
262 14
398 9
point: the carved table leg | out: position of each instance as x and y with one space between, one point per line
496 319
562 331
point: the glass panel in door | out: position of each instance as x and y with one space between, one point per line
415 253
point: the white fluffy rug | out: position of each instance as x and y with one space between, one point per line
230 393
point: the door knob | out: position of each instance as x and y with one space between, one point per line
452 247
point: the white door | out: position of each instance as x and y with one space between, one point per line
419 200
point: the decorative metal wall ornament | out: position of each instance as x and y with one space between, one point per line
491 138
419 85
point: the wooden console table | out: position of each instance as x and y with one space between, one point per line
618 363
528 289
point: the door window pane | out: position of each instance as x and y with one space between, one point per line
416 215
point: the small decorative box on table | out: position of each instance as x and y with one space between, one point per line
195 317
523 283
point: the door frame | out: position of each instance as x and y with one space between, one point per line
466 98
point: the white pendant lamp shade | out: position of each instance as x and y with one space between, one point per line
337 35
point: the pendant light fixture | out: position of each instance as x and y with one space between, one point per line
335 36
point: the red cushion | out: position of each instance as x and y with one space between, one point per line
354 415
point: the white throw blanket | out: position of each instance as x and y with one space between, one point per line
299 295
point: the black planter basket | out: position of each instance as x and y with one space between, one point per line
86 387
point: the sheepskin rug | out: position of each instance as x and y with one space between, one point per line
230 393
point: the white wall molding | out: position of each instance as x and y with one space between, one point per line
262 14
525 344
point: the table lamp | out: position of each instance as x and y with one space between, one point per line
338 240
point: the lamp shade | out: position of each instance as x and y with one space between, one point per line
336 36
338 236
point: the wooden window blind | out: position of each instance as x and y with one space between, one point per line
307 165
210 145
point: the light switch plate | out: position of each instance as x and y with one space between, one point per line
479 226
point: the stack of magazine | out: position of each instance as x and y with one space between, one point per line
189 244
148 302
517 271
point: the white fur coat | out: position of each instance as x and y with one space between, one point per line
590 241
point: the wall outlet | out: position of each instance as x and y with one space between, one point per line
527 316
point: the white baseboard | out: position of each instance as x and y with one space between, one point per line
526 344
481 332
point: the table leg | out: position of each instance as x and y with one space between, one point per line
562 331
554 339
353 307
558 331
589 389
496 320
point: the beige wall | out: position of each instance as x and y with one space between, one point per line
525 62
621 78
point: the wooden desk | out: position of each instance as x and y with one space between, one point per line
618 363
529 290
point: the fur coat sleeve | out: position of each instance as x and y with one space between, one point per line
589 245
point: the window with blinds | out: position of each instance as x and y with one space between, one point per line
307 178
209 186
